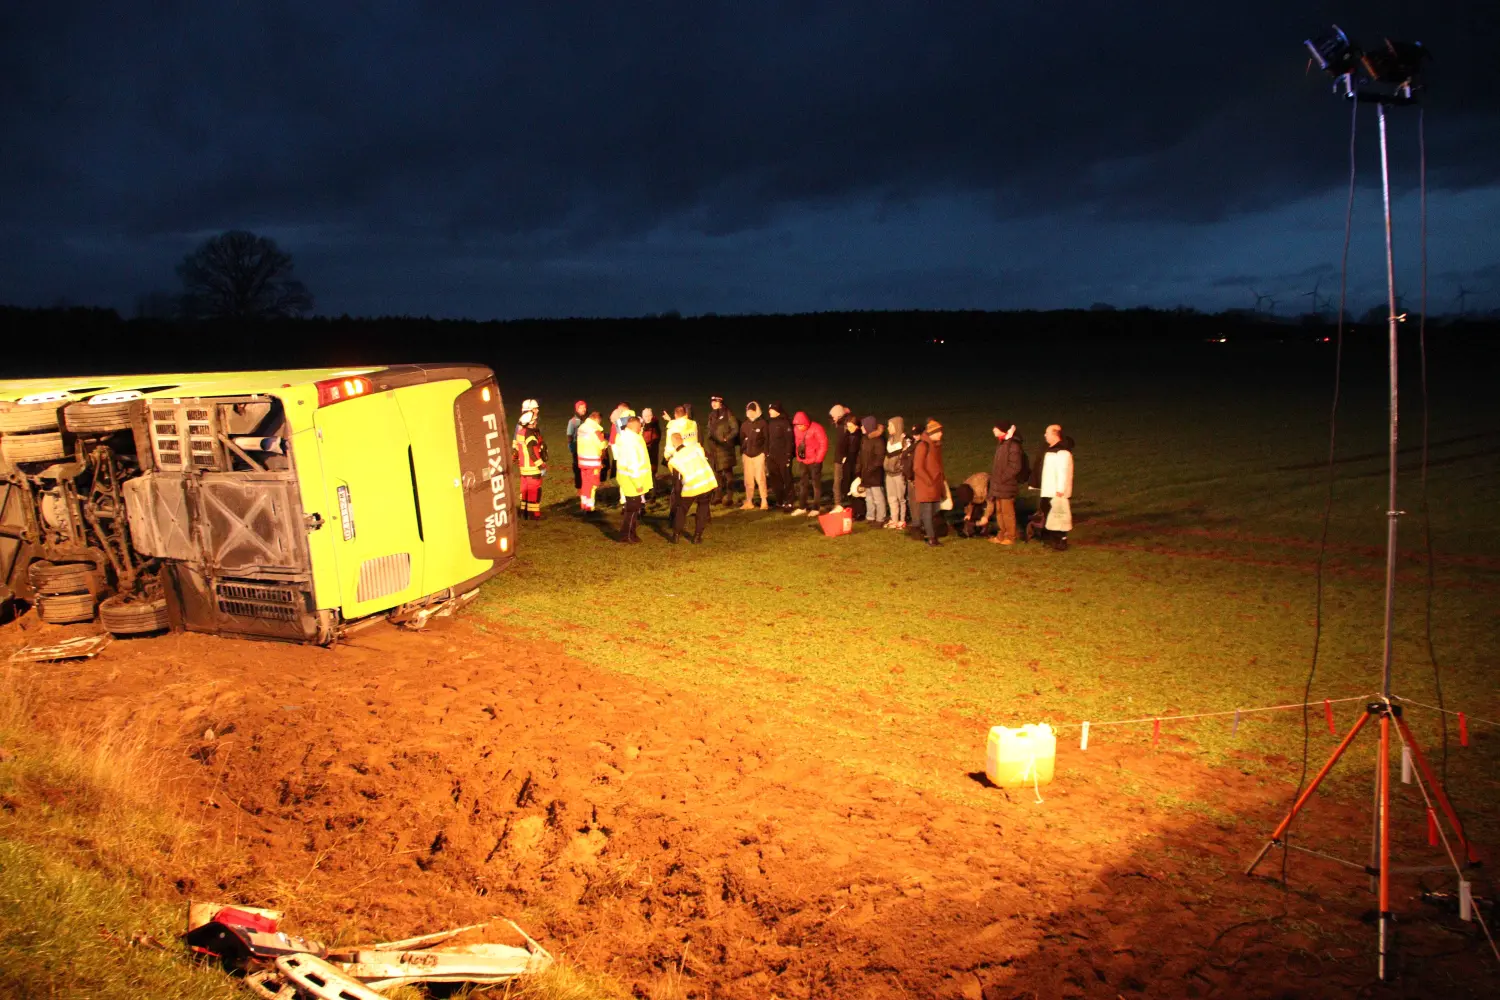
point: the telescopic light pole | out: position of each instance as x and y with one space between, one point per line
1392 515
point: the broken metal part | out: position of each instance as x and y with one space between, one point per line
80 648
199 914
475 963
236 947
269 985
417 617
425 940
321 979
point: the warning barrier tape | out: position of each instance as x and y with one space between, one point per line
1327 704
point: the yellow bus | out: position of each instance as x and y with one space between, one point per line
288 505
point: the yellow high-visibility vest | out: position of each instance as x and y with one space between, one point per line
685 426
691 464
633 464
590 440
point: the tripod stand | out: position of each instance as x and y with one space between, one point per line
1396 67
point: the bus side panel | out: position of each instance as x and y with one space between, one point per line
327 594
368 491
428 411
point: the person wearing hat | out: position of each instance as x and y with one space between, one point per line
781 448
591 443
871 469
527 406
723 432
1007 472
753 435
931 483
531 461
633 472
580 414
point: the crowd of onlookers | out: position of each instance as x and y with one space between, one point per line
883 473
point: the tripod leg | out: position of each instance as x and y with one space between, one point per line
1281 828
1384 770
1437 789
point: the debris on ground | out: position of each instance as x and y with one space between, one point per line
81 647
280 966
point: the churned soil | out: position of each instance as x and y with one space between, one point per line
690 846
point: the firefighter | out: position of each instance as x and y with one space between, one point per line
531 459
696 485
633 473
590 441
532 407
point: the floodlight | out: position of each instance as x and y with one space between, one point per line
1397 64
1333 53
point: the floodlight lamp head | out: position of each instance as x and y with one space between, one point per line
1333 53
1397 64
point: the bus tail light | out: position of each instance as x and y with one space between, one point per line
336 390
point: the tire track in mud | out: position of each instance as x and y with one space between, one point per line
689 847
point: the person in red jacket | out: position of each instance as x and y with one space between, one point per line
812 448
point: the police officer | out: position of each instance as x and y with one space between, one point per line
697 485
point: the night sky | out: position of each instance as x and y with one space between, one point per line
572 159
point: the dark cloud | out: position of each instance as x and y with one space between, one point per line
515 142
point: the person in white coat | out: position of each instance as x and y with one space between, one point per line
1055 483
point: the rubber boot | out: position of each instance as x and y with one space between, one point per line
625 526
635 522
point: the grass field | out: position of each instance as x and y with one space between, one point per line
1190 587
1199 496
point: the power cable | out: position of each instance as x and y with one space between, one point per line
1333 416
1437 674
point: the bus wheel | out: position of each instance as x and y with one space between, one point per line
133 617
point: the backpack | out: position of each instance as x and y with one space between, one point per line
909 461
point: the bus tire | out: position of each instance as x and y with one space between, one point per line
44 447
134 617
63 578
65 609
98 418
23 418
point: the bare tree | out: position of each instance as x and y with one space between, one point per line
239 275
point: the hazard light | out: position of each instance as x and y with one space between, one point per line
336 390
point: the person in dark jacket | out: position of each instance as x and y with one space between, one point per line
847 441
1007 472
580 414
651 434
753 440
720 436
781 448
931 483
870 469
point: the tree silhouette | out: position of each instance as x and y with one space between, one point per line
239 275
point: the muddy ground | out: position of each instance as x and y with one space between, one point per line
690 847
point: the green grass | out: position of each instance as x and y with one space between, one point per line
1205 501
66 932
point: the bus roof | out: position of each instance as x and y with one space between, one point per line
182 385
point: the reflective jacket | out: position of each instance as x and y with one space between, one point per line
531 453
590 441
632 464
686 426
691 464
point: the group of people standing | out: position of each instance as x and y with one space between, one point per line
890 477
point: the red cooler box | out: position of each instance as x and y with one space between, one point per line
840 523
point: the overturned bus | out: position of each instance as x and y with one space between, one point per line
287 505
